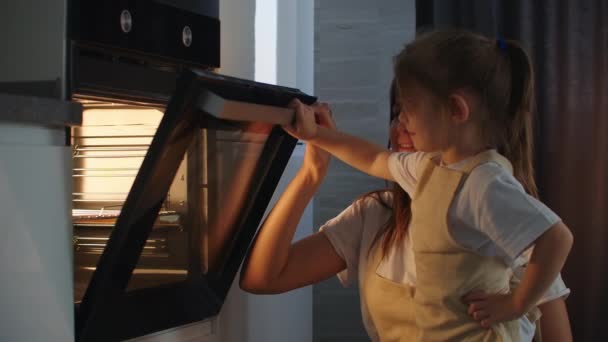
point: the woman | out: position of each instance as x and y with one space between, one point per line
367 242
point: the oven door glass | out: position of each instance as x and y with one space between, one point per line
108 150
161 231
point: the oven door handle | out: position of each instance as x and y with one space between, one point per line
221 108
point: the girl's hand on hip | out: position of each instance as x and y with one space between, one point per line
490 309
304 127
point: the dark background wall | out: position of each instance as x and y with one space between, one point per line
355 41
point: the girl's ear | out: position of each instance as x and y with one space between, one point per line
459 108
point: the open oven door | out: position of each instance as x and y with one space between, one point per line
230 131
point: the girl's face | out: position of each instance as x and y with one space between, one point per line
422 118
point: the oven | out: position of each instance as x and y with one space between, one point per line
172 167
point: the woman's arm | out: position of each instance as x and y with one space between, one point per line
276 265
360 154
554 322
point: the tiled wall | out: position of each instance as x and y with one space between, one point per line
355 41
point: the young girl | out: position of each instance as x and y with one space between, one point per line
467 102
367 244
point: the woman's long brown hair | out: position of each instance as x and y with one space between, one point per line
497 71
393 232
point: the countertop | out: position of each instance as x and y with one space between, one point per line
39 110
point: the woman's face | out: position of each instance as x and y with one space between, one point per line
400 139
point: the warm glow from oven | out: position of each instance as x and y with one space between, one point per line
108 150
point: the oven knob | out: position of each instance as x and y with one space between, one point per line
187 36
126 21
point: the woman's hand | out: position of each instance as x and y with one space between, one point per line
490 309
304 126
316 160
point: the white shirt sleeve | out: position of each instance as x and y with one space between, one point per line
403 167
499 208
345 234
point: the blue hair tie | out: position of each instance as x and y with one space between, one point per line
501 44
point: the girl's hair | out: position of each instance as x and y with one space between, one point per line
394 230
499 72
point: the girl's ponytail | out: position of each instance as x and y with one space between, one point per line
518 142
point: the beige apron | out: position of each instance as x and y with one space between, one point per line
445 271
390 305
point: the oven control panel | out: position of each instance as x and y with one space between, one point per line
147 29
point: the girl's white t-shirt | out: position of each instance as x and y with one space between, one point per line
351 234
491 214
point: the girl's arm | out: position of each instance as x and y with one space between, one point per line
274 264
356 152
360 154
548 258
554 323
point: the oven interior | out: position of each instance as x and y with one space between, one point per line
200 213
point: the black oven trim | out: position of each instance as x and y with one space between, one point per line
155 31
107 311
108 77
